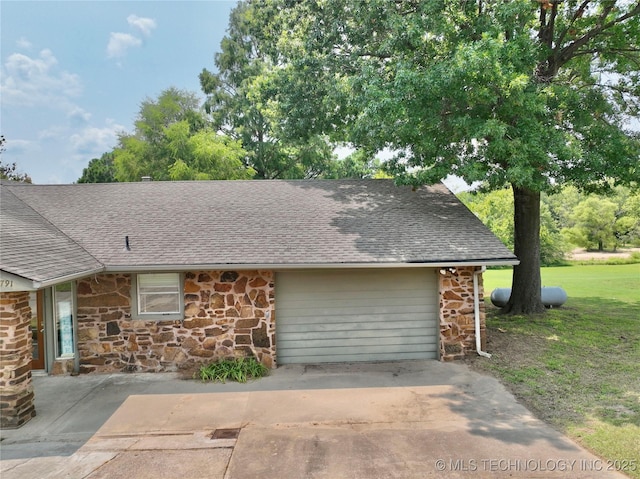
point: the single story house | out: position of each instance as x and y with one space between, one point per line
162 276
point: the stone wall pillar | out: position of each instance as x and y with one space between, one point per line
457 319
16 389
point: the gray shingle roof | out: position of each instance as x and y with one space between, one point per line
31 247
248 223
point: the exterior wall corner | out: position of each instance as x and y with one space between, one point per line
16 389
457 312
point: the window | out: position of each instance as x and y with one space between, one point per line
158 295
65 346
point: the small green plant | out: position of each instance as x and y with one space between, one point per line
233 369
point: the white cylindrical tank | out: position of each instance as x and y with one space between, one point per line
500 296
552 296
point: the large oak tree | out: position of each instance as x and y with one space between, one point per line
527 93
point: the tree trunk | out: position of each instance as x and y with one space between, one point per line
526 286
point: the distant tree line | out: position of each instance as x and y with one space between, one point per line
568 219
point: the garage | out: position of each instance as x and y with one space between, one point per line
356 315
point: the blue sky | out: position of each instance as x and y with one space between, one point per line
73 73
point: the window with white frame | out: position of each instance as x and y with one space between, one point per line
158 294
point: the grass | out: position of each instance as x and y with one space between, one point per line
633 259
612 282
577 367
234 369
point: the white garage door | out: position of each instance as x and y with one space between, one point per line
356 315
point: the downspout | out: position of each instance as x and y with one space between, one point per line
476 311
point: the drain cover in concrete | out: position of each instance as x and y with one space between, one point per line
226 433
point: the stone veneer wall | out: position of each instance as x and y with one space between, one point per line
16 389
457 321
227 313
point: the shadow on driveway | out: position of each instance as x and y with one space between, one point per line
377 418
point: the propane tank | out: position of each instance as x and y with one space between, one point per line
552 296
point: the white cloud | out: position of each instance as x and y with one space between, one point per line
119 43
78 115
27 81
93 141
17 146
144 25
23 43
53 133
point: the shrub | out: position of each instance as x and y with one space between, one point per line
234 369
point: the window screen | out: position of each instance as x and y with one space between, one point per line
159 293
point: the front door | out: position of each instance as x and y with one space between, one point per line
37 329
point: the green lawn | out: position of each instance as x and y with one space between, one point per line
578 366
611 282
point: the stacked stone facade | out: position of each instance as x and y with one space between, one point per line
226 313
457 313
16 389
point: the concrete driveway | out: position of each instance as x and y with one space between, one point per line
409 419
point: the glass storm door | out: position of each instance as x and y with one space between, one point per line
36 301
63 320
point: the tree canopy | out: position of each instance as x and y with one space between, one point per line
173 140
99 170
236 108
9 171
520 93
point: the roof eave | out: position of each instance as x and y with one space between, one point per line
293 266
71 277
39 284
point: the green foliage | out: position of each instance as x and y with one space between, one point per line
236 369
568 219
171 106
599 221
462 87
211 156
627 226
520 93
99 170
561 204
255 122
594 219
495 210
357 165
10 171
173 141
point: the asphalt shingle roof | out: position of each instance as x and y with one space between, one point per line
31 247
240 223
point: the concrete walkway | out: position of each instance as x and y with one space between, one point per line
410 419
